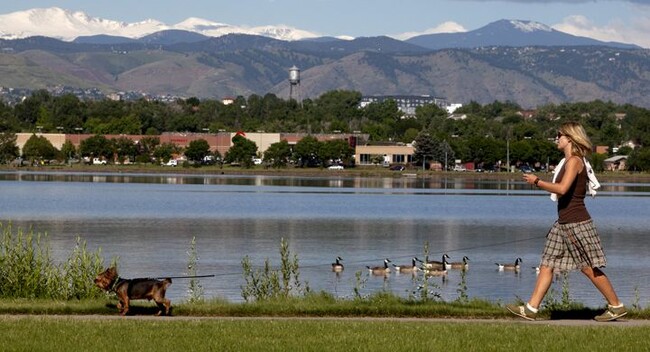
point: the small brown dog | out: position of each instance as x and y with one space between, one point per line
128 289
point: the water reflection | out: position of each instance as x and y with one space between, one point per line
445 181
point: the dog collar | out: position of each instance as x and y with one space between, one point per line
115 283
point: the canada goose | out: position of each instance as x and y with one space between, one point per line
460 265
380 270
439 265
514 266
408 268
337 266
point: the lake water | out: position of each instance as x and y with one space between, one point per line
148 221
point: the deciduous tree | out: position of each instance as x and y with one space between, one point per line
336 150
8 148
39 148
242 151
306 152
277 155
68 150
165 151
96 146
124 149
197 150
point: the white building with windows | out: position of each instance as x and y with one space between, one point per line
388 154
405 103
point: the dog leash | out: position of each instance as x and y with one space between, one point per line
182 277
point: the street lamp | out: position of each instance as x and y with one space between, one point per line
508 148
445 156
508 154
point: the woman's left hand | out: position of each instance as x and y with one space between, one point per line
530 178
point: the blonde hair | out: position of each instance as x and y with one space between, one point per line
580 143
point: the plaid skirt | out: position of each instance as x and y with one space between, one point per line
573 246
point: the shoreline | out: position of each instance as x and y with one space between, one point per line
363 171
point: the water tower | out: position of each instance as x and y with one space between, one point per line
294 83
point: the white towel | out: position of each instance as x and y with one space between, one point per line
556 171
592 182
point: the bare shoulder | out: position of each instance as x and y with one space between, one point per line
575 161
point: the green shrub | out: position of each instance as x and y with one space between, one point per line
195 289
267 283
79 272
28 271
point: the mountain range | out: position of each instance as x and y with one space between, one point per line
521 61
67 25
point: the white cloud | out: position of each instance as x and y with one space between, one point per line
632 32
446 27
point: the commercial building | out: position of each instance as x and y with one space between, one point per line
218 142
406 103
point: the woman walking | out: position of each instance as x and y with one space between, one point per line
572 242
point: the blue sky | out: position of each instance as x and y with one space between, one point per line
611 20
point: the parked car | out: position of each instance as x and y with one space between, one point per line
257 161
397 168
459 168
526 169
336 167
172 163
208 160
98 161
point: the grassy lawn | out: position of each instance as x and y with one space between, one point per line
49 333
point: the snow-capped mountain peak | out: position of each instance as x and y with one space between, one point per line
530 26
283 32
216 29
67 25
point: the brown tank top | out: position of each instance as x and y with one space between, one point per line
571 206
